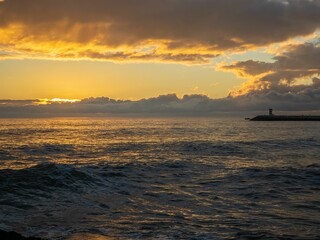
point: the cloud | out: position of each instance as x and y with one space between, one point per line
304 99
17 102
294 70
187 31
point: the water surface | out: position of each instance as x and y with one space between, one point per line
160 178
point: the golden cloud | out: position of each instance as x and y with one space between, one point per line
189 31
300 63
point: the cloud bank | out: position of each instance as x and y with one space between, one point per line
187 31
167 105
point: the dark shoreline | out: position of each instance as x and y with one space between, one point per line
285 118
15 236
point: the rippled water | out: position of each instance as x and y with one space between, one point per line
160 178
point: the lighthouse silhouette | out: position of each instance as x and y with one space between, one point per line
270 112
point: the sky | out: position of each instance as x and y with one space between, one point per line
244 54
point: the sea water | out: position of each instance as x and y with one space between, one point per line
160 178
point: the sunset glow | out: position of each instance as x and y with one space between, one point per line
55 100
159 119
84 49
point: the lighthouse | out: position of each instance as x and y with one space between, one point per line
270 112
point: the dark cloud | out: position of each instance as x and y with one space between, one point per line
250 67
302 99
17 102
282 97
179 30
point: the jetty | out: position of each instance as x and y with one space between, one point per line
273 117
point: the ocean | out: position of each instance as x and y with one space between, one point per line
193 178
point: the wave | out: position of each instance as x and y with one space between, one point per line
201 189
50 177
184 198
259 150
44 177
47 149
